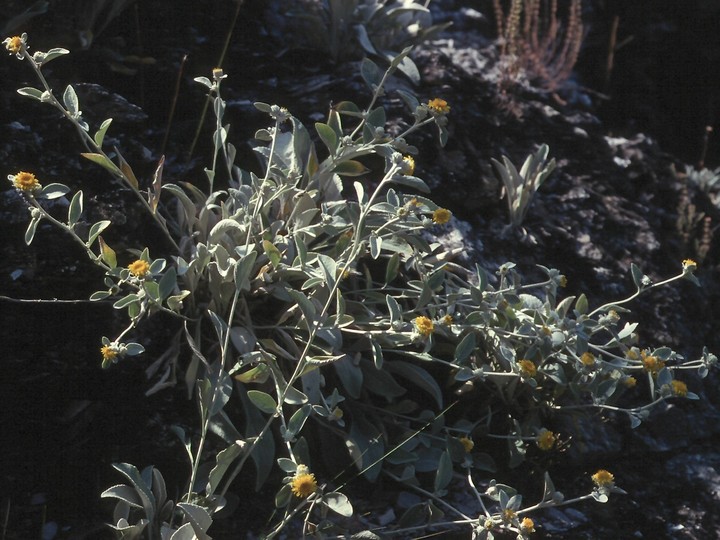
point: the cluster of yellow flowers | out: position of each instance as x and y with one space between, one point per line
424 326
441 216
408 165
588 359
16 45
467 443
651 364
139 268
25 182
438 106
303 484
109 353
603 479
679 388
546 440
527 368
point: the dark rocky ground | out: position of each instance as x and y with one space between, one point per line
614 200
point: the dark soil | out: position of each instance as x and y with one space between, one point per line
612 202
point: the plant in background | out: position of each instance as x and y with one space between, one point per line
534 45
349 29
694 227
314 297
520 187
14 21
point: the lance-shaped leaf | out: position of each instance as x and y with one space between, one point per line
107 253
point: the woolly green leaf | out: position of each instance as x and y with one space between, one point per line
350 168
75 209
284 496
262 401
371 73
411 181
393 308
103 161
444 472
581 305
141 486
223 460
199 519
393 267
31 92
53 191
375 245
465 347
30 232
167 283
124 493
107 253
95 231
637 276
70 100
337 502
297 421
53 53
328 137
272 252
418 376
100 134
243 270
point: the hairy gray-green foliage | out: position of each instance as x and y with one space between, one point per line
313 298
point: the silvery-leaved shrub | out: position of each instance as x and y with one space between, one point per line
315 307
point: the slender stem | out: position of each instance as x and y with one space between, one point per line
259 201
94 258
609 407
288 518
205 425
637 293
477 493
429 494
90 145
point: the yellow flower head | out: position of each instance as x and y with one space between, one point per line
139 268
447 320
588 359
109 353
467 443
408 165
546 440
438 106
25 182
14 45
441 216
630 382
603 479
424 326
651 364
679 388
527 525
304 485
563 281
527 368
509 515
689 265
